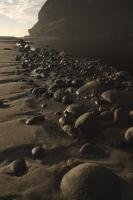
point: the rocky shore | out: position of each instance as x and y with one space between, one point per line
66 127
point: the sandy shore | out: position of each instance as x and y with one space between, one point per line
17 140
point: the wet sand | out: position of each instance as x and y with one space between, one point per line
17 140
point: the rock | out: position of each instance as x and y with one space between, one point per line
92 87
34 120
18 167
121 116
76 109
87 122
91 151
77 83
114 137
58 95
65 120
129 136
131 115
121 97
91 182
44 105
38 91
67 99
68 130
123 76
38 152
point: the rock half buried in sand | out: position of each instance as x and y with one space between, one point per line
34 120
129 136
87 122
76 109
91 151
89 88
38 152
91 182
18 167
121 97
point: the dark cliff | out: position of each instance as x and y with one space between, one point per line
100 27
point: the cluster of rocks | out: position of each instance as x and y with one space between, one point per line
20 167
98 103
97 96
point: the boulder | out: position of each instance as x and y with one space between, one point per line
91 182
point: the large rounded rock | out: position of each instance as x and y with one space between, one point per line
91 182
76 109
89 88
121 97
87 122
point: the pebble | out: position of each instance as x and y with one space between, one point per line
38 152
129 136
34 120
18 167
90 182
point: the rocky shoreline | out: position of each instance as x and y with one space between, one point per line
87 109
65 126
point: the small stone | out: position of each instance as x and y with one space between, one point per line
34 120
18 167
38 152
68 130
44 105
129 136
90 182
58 95
67 100
65 120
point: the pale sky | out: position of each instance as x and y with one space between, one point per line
16 16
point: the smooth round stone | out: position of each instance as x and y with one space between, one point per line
91 182
67 99
38 152
18 167
34 120
129 136
86 122
91 151
65 120
89 88
121 97
76 109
